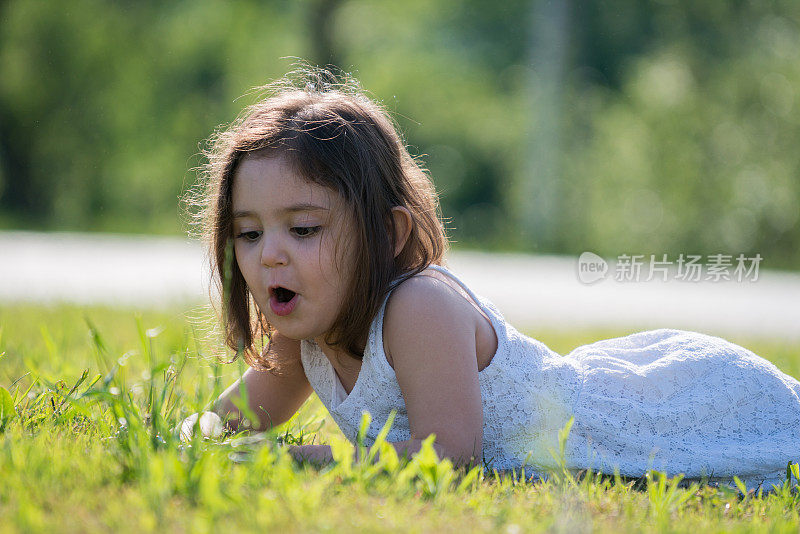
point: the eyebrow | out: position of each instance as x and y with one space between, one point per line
289 209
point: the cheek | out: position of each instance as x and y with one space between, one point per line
321 257
335 254
341 266
245 263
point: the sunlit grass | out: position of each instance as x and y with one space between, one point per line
91 398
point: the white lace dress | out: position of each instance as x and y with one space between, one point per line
675 401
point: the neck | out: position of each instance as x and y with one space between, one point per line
341 351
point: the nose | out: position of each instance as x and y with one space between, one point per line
273 253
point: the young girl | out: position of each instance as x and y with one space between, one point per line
329 252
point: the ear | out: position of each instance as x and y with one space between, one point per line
402 227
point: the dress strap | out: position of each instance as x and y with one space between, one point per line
475 297
495 318
377 325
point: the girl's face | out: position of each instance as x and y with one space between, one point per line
285 234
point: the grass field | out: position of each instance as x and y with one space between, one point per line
90 397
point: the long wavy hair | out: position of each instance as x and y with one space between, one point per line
334 135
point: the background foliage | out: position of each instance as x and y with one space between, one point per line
660 126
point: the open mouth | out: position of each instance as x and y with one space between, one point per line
283 295
282 301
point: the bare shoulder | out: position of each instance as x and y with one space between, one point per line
427 309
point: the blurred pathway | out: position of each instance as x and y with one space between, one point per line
530 291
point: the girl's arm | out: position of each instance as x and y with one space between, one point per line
429 335
274 398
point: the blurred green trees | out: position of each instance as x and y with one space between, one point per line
627 127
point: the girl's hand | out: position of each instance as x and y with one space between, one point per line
209 423
315 454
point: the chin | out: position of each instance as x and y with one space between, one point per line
291 335
295 334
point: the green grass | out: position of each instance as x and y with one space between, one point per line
86 444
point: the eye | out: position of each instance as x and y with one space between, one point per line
251 235
305 231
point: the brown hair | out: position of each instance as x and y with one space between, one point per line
333 135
